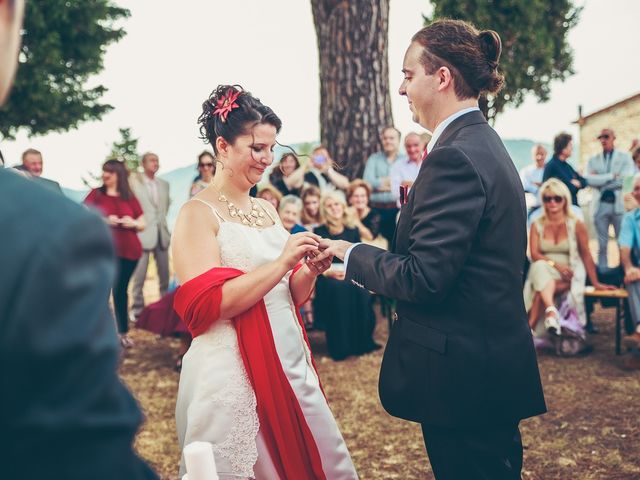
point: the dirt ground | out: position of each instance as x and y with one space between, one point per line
592 430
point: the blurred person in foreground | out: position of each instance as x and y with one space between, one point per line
460 358
63 411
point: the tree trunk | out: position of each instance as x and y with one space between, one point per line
354 78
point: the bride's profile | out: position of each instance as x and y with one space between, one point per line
248 384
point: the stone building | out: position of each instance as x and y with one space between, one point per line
623 117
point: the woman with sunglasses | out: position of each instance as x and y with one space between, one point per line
206 171
560 258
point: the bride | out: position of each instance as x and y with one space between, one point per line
248 383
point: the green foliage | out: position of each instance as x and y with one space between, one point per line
534 41
126 149
63 45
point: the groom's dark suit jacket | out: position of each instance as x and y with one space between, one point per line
64 414
460 353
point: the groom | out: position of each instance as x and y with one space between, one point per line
460 358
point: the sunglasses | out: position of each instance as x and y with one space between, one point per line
205 165
552 198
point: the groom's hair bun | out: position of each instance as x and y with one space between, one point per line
246 112
471 56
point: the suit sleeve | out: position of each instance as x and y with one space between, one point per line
447 208
70 416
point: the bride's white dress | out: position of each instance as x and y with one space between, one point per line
216 402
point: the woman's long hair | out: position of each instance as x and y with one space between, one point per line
336 226
556 187
122 174
310 191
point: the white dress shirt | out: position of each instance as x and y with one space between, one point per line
434 139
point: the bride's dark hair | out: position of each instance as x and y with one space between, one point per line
239 121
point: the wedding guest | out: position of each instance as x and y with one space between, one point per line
367 220
288 176
271 195
629 241
605 174
321 172
560 259
531 175
64 413
32 164
311 207
559 167
206 171
345 310
405 170
289 211
377 173
153 194
123 213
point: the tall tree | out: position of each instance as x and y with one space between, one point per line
534 41
126 149
63 45
354 78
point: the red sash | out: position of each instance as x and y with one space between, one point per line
291 445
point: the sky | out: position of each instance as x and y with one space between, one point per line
159 74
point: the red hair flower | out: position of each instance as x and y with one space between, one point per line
226 103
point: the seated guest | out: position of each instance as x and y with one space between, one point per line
206 171
311 207
270 194
560 259
288 175
405 169
344 309
123 213
367 220
321 172
629 242
289 211
559 167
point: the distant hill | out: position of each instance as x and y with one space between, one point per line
181 178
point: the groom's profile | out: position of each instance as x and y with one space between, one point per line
460 358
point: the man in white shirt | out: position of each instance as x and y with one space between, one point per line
405 170
531 175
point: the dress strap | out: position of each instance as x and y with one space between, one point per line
275 222
213 209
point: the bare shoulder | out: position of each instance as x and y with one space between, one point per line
581 228
194 215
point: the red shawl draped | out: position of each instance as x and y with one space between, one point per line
282 422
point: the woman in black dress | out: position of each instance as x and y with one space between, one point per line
344 309
367 220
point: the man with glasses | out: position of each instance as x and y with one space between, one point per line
605 174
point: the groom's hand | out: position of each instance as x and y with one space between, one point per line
332 248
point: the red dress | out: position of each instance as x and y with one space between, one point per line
126 240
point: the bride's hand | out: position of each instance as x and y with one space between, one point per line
297 247
318 268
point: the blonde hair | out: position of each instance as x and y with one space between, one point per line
336 226
556 187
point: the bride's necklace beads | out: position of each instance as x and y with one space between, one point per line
255 218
